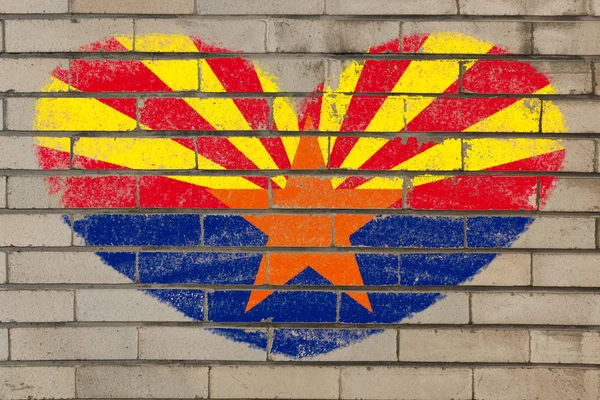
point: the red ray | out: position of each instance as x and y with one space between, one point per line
171 114
162 192
95 192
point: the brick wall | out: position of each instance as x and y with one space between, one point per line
104 294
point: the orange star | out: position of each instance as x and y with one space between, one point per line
309 230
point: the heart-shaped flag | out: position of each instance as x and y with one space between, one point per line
321 208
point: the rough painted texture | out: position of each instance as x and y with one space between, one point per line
403 194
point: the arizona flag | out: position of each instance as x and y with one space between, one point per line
315 209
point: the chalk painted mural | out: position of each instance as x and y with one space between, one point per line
310 244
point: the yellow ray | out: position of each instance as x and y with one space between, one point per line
179 75
139 153
383 183
61 144
79 114
334 103
445 156
553 121
521 116
391 116
425 179
362 151
165 43
125 40
217 182
221 113
324 146
455 43
55 85
487 153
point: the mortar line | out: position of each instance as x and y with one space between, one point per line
596 161
531 37
205 305
531 282
339 383
529 344
472 378
137 267
398 345
269 346
208 393
137 330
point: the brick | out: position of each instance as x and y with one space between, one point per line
511 269
239 35
377 347
293 74
18 152
566 38
567 77
535 308
34 6
124 305
405 383
3 194
544 232
574 195
453 308
328 36
572 347
133 7
79 267
34 230
195 343
3 344
512 36
66 343
142 381
283 382
516 7
574 270
579 156
36 306
34 192
3 268
61 35
261 7
27 75
18 383
536 383
464 345
394 7
580 116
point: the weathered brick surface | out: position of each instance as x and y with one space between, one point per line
463 345
581 116
133 7
3 344
144 381
3 191
535 308
560 233
395 7
34 7
258 7
551 384
27 74
516 7
570 38
3 268
15 154
23 382
33 230
105 343
574 347
512 269
36 305
405 383
575 195
576 270
270 381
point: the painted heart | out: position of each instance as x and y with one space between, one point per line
382 113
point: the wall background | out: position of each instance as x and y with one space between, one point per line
527 327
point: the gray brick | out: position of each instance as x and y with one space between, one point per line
294 74
406 383
453 308
573 347
133 7
568 38
580 116
558 232
261 7
36 306
66 343
18 152
55 267
3 268
579 155
378 347
242 35
61 35
21 383
567 77
511 269
3 194
123 305
464 345
536 308
323 36
34 6
193 343
512 36
536 383
3 344
579 270
282 382
393 7
34 230
31 192
28 75
518 7
573 194
142 381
